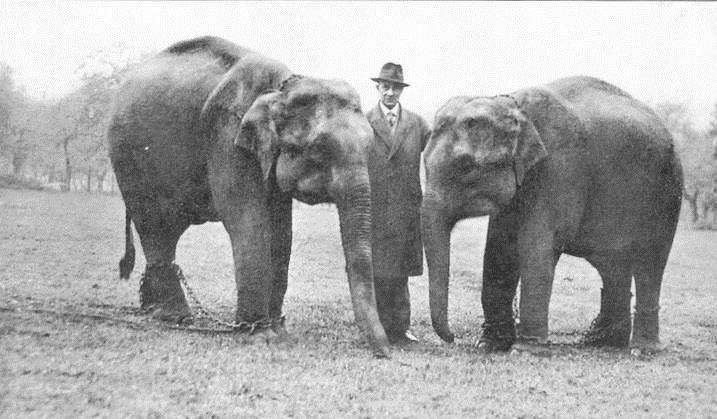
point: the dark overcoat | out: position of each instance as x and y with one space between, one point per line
394 165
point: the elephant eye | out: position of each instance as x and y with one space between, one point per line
501 163
510 124
320 152
441 125
303 101
291 150
478 123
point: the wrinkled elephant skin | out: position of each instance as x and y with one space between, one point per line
577 167
209 131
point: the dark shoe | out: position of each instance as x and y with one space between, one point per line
405 338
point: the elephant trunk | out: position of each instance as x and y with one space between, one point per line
354 207
436 231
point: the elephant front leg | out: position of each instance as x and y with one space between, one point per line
281 233
500 279
240 198
537 267
250 234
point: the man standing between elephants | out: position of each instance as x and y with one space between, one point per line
394 162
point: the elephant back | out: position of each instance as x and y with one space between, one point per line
228 52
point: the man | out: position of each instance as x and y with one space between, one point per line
394 162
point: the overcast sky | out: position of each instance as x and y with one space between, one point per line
655 51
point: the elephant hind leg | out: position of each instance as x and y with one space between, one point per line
612 326
161 294
648 270
160 289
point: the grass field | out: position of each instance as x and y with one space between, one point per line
73 344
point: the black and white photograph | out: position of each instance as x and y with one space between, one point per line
360 209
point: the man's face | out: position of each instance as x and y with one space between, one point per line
389 92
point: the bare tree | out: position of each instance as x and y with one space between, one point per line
63 140
695 150
16 114
80 119
712 132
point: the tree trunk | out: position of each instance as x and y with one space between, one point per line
68 166
89 178
18 162
100 177
693 210
692 200
19 155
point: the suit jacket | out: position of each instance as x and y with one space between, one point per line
394 165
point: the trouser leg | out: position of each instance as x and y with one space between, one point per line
401 305
393 304
384 301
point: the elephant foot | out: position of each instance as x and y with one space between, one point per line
640 350
279 327
646 332
263 336
645 338
161 295
496 337
604 331
531 346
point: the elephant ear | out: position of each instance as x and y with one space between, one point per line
241 107
529 148
257 132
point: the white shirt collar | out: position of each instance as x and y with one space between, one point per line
396 109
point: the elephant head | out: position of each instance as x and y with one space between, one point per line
309 138
478 156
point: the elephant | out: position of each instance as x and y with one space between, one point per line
207 130
576 166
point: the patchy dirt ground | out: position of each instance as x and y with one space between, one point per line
72 342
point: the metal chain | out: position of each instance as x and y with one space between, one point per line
250 327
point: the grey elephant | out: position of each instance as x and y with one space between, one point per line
210 131
577 167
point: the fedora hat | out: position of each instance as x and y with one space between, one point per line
391 72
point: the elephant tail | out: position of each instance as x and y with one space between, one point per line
126 264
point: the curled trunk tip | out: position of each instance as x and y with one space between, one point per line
443 332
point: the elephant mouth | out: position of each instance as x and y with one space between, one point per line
312 198
488 208
480 206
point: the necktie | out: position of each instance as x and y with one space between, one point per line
391 119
